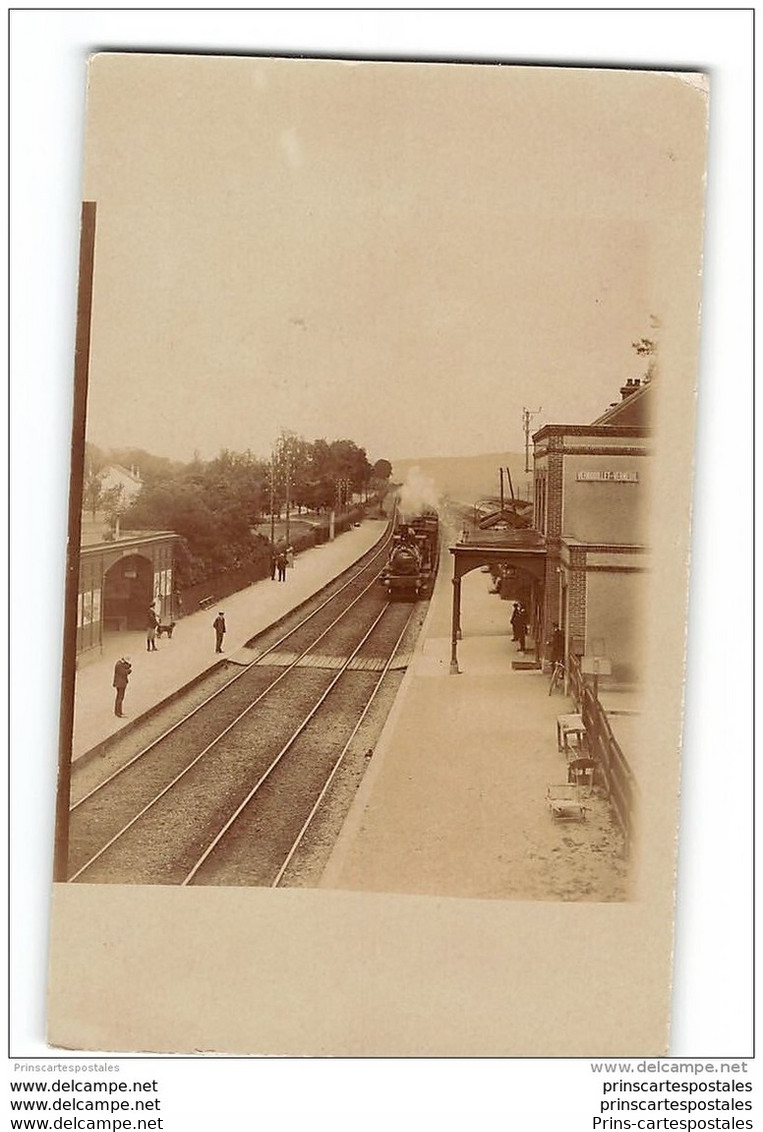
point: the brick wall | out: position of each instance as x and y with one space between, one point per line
554 494
576 593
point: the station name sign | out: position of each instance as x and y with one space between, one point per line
608 477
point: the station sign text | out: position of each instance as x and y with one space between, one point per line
608 477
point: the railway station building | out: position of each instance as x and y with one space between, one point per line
591 490
119 577
583 564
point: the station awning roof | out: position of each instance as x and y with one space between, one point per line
525 549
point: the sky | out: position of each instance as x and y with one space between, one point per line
402 254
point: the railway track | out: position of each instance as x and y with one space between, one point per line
230 793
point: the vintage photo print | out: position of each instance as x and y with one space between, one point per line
379 528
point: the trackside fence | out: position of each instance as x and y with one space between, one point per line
219 586
612 769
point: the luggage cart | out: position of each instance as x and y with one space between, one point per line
564 801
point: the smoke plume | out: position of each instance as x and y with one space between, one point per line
417 494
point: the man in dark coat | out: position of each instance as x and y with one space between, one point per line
521 628
219 627
557 645
122 670
515 616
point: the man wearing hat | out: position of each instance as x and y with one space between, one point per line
122 670
219 627
516 617
152 622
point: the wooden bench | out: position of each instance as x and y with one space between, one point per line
205 602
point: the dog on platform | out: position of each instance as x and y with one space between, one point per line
165 630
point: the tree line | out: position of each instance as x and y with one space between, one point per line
216 506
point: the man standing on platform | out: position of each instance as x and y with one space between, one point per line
556 643
219 627
521 627
152 622
122 670
515 618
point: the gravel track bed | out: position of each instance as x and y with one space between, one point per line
345 636
324 617
242 686
98 818
101 817
254 848
88 773
165 843
312 855
385 635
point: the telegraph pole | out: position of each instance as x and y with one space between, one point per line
272 498
527 415
287 447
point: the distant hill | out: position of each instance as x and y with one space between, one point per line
467 478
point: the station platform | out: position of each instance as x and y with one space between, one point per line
454 800
177 662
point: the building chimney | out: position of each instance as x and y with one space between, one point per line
631 385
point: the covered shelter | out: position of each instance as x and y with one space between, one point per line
118 578
522 551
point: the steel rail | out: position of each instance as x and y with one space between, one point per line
290 742
239 675
340 760
223 733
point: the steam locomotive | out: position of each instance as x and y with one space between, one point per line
411 568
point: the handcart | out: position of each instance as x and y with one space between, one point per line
564 801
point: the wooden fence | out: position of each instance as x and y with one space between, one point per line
613 771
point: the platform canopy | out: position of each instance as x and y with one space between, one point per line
523 549
519 549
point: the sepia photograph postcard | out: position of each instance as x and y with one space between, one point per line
378 566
